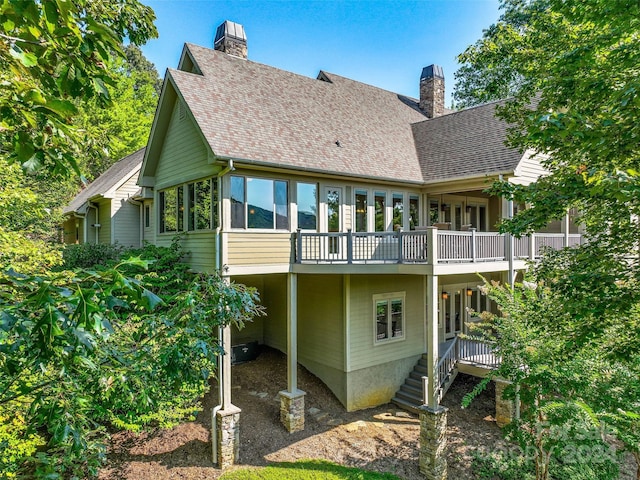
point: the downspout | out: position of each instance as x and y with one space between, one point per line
218 265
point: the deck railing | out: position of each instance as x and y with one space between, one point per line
431 246
445 367
478 352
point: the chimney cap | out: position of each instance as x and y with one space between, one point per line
432 71
230 29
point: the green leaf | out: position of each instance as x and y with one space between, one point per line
26 58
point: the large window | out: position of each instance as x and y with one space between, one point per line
361 210
202 213
388 317
169 208
189 207
307 206
259 203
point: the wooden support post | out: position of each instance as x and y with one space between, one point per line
292 399
432 245
432 340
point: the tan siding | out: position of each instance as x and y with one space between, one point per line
149 232
320 320
363 352
529 170
104 219
199 247
69 230
126 223
254 330
250 248
274 298
184 154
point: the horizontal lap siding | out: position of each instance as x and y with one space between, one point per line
320 320
199 249
69 230
104 219
529 170
363 352
184 154
248 248
184 158
126 215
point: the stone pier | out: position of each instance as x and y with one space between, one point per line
227 436
292 410
433 442
504 408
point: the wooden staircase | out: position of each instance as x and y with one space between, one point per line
410 396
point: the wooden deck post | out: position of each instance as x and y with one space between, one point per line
433 417
432 246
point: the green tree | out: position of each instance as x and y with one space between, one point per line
88 350
572 70
53 53
114 132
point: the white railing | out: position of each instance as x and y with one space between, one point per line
478 352
445 368
416 246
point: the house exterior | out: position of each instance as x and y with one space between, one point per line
326 194
108 210
358 214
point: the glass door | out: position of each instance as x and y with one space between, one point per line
453 310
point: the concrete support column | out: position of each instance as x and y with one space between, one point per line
433 442
292 399
227 436
505 409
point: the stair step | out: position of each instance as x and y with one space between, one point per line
405 405
417 376
420 369
422 362
410 398
414 382
411 389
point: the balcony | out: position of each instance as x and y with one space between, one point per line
428 247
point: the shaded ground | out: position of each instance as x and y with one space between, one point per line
380 439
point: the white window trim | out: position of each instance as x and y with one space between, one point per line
389 297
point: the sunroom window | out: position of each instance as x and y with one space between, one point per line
307 206
259 203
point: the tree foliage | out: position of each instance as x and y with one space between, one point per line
110 134
119 347
572 72
51 54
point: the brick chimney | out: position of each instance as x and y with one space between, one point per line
432 91
231 39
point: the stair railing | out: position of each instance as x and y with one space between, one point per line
445 367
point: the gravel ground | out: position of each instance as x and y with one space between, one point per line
381 439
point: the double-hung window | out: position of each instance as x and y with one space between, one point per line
259 203
388 314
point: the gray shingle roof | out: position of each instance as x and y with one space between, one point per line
463 144
251 111
105 182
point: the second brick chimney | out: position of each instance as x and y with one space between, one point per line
432 91
231 39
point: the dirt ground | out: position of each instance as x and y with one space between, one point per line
381 439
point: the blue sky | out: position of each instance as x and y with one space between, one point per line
382 43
